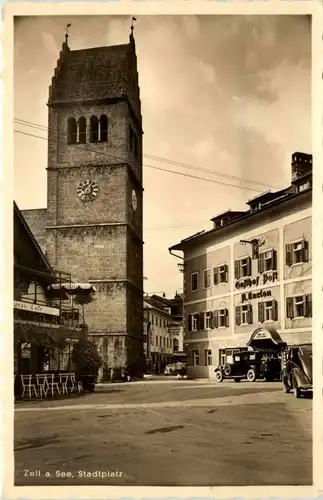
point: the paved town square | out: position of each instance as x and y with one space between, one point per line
166 433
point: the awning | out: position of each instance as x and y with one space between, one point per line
266 338
73 288
44 336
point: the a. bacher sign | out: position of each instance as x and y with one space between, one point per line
26 306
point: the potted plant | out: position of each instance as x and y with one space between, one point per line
87 361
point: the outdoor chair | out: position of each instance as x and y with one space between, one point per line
63 380
75 385
53 384
28 385
42 383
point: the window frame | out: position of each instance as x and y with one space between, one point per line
208 357
208 319
222 315
197 282
207 273
196 356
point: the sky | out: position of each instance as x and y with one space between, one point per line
227 94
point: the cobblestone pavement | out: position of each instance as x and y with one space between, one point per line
172 433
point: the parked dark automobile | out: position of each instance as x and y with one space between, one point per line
297 369
243 363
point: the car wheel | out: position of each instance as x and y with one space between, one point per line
251 375
297 392
218 376
227 370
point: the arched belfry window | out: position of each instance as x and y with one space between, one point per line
103 128
94 129
71 131
82 130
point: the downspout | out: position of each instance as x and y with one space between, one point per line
174 254
183 310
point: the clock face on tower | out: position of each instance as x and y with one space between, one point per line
134 200
87 190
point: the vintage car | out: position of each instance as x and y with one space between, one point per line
243 363
297 369
178 369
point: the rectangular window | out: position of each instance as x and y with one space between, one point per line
208 357
194 282
244 315
164 342
207 278
267 261
193 320
157 340
196 358
296 253
299 306
221 274
267 311
242 268
222 317
208 320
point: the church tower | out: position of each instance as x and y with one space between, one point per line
94 199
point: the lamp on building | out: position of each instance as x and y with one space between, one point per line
255 244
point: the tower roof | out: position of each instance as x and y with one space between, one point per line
95 74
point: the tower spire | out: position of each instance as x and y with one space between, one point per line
66 33
132 40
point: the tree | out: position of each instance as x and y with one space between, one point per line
83 297
86 357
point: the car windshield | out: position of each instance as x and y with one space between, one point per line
306 350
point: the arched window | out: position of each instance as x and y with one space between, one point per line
71 131
103 128
82 130
94 129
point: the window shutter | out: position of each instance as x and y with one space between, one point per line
201 321
305 250
250 319
238 316
309 305
290 307
249 266
215 319
261 263
274 260
211 319
226 273
289 255
226 317
261 312
237 269
216 275
189 319
275 310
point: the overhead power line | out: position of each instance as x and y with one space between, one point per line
144 164
165 160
